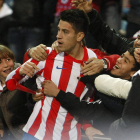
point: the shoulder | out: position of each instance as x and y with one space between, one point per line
16 65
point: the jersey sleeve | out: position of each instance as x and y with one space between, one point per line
22 78
110 59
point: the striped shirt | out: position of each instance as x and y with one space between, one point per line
50 121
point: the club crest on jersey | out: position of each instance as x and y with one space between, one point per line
64 1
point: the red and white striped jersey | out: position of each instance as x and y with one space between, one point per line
50 121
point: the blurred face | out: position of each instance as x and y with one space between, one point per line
137 42
6 66
123 66
66 37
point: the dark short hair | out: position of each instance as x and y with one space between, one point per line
77 18
6 52
137 65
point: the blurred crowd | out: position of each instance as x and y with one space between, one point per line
24 24
27 23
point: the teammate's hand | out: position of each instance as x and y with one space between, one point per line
55 46
38 53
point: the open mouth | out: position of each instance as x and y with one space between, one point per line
115 67
59 43
7 71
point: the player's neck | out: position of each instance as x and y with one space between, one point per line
78 52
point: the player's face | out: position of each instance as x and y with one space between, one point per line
124 65
137 42
6 66
66 37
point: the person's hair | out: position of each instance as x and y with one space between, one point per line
6 52
77 18
137 65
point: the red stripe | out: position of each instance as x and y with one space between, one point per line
33 129
79 130
52 115
66 127
65 75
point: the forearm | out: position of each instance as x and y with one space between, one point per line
105 36
115 87
81 109
22 73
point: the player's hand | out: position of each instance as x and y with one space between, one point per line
39 96
90 131
38 53
1 133
28 69
137 54
92 66
49 88
84 5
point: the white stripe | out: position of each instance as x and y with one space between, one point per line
73 132
33 116
10 76
73 81
56 73
91 53
45 112
83 93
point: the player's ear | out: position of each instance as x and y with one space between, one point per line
80 36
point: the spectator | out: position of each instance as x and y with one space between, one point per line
49 9
133 18
111 13
26 28
14 111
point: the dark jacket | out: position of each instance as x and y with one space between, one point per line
96 112
128 126
110 41
14 110
101 112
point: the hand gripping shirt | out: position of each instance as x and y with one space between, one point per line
50 121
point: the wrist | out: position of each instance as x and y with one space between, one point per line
56 93
28 52
104 64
